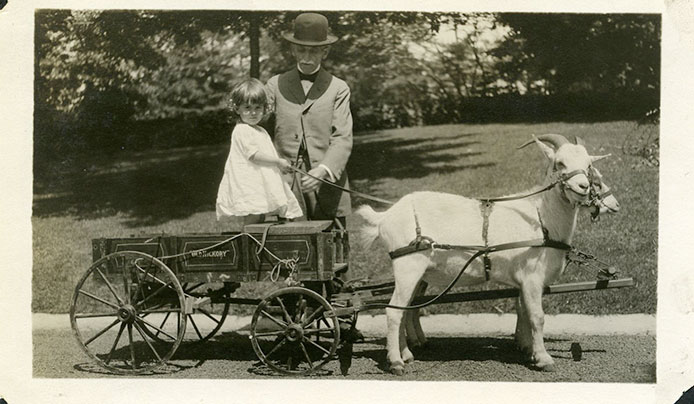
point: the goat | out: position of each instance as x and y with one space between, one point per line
457 220
604 203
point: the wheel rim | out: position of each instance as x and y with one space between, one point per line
295 331
203 322
116 309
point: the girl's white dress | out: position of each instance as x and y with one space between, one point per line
249 188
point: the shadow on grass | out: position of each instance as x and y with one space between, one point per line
151 188
413 158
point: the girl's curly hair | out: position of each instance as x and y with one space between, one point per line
248 91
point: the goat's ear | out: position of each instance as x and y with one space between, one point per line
593 159
548 151
579 141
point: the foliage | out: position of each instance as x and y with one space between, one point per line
117 80
571 53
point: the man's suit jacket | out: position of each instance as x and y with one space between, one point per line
327 126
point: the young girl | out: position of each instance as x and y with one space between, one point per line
252 185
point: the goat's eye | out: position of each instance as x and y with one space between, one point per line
559 165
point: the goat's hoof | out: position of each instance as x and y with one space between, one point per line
409 360
546 368
397 370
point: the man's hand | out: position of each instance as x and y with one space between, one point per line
309 184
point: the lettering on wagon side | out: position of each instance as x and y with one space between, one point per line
227 256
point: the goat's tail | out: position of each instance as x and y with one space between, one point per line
368 233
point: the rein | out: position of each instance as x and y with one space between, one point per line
560 180
350 191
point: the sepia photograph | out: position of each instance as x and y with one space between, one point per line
273 199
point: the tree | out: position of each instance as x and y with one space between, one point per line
574 52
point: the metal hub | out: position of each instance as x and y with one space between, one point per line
294 332
127 313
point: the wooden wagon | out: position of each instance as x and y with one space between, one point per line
143 296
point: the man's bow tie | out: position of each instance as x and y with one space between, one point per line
309 77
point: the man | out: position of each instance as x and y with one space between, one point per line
313 122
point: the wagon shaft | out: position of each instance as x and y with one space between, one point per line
368 299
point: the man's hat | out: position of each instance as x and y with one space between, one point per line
310 29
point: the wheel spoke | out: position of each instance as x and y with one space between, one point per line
269 333
106 302
148 275
166 317
317 330
284 310
156 292
279 344
317 346
100 333
131 345
147 312
308 358
142 320
92 315
190 318
313 315
188 290
273 319
142 289
301 307
115 343
126 282
109 285
208 315
142 334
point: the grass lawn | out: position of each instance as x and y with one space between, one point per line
173 191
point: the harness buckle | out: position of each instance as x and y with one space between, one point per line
487 265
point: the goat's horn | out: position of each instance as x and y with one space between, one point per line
528 142
579 141
593 159
553 139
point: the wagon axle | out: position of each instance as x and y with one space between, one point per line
127 314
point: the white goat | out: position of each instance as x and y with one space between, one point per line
457 220
606 203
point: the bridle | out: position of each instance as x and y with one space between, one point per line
595 194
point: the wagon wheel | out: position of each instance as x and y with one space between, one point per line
206 318
295 331
117 307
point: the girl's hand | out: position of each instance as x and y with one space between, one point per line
284 166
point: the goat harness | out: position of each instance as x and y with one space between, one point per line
423 243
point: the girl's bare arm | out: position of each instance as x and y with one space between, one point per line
263 158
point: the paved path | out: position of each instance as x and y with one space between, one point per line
469 324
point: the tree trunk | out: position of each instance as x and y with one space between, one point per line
254 36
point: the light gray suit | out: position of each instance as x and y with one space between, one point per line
327 126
